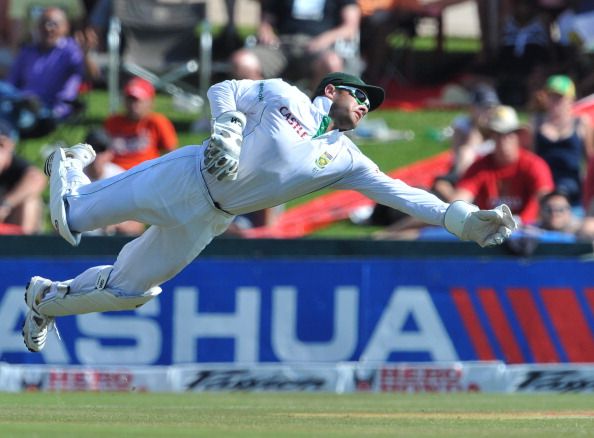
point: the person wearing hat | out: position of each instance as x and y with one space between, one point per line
468 141
510 174
563 139
138 133
269 144
21 187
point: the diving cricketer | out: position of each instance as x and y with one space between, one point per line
270 143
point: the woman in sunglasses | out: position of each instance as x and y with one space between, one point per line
269 144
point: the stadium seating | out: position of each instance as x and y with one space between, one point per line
157 40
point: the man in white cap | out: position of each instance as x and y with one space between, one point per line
511 174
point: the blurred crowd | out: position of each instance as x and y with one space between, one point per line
520 140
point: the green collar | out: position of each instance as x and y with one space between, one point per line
323 126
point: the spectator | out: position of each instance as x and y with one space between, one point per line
510 174
555 214
297 40
92 38
588 189
378 20
6 49
98 22
103 168
44 81
524 52
96 25
21 186
139 134
24 14
228 39
561 15
556 223
468 140
586 231
563 139
581 35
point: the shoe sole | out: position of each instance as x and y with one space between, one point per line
57 193
47 167
29 299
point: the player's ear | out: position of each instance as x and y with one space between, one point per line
330 91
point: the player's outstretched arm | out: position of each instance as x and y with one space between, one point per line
485 227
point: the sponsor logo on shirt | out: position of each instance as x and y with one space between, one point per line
125 145
292 121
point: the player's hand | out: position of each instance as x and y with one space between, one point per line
221 157
485 227
5 210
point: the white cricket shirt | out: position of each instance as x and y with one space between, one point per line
280 160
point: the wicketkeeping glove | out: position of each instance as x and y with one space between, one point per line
485 227
221 157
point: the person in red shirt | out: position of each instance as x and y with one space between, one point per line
509 175
139 134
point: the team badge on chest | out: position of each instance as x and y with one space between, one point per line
323 160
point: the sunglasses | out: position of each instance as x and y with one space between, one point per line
560 209
49 23
357 94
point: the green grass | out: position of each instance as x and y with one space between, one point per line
97 110
294 415
429 43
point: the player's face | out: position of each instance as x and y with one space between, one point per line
53 25
138 108
507 147
349 106
556 213
557 104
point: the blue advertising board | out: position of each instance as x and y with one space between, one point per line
324 310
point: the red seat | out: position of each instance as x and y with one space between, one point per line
10 229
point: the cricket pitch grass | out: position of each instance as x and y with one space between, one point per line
84 415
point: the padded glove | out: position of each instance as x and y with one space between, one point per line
485 227
221 157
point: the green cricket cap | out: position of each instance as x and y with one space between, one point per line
375 94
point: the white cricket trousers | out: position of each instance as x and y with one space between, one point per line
167 193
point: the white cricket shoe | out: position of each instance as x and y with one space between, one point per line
56 167
36 324
82 152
